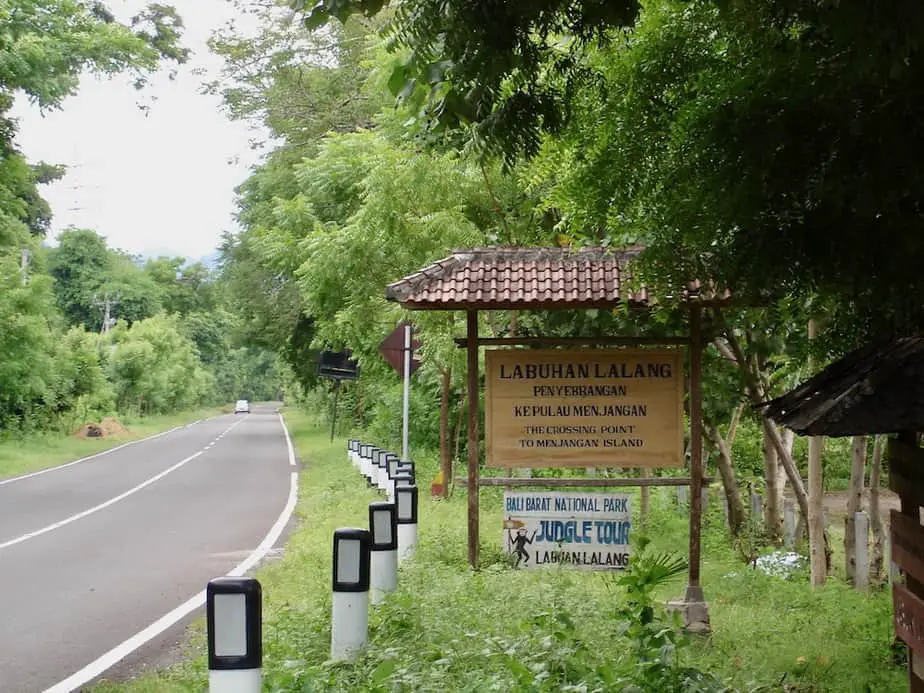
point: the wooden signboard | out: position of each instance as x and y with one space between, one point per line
562 528
908 613
584 408
904 460
907 544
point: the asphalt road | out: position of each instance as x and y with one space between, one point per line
94 553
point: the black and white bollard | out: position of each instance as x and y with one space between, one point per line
234 617
383 471
406 503
361 458
366 463
354 453
391 469
349 623
383 525
382 463
392 462
401 479
374 467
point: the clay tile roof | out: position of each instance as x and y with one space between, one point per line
510 278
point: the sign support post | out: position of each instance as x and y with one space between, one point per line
333 416
471 326
693 605
407 391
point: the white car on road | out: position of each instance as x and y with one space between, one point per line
242 406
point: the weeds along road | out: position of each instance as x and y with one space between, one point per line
111 554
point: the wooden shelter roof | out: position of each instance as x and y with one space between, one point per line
876 389
511 278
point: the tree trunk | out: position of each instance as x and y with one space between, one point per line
733 426
729 482
771 480
789 439
792 472
756 395
458 433
854 504
875 519
445 456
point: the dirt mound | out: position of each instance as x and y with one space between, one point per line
104 429
112 427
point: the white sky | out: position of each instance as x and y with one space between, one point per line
155 184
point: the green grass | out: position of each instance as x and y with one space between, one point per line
36 451
448 629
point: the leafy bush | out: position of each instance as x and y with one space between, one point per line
155 369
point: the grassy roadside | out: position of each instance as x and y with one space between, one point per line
448 629
33 452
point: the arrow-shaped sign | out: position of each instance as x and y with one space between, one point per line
392 349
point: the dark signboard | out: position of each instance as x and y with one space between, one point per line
907 544
908 616
337 365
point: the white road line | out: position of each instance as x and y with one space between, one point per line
270 539
100 454
288 441
105 504
86 459
122 650
97 508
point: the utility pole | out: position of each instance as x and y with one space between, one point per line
106 305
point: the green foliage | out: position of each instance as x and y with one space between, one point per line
54 373
268 76
77 265
756 144
88 274
155 369
654 636
511 69
448 628
82 385
26 342
49 43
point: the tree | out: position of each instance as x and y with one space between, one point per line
300 85
26 342
91 281
78 265
759 144
510 69
50 43
754 143
155 369
47 45
182 288
132 289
